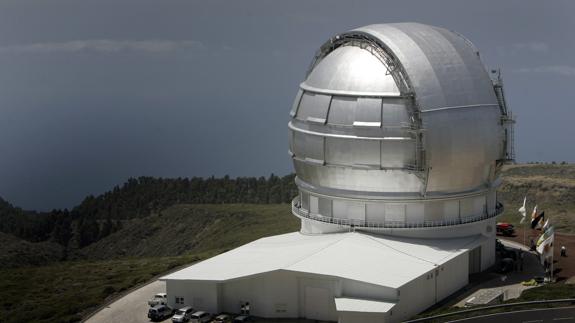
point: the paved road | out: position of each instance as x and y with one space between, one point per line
132 308
554 315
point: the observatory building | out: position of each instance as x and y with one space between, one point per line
397 135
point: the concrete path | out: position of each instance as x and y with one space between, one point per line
132 308
509 283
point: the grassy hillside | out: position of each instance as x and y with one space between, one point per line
64 291
188 228
551 187
15 252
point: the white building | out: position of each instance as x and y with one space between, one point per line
397 137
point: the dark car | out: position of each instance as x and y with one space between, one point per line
506 229
159 312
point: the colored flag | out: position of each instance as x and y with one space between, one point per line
545 248
534 213
538 220
545 226
550 231
522 210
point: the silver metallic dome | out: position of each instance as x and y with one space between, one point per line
397 124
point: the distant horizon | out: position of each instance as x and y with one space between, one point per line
173 89
96 194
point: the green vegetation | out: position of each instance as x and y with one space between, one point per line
58 265
186 228
67 290
546 292
551 187
62 292
99 217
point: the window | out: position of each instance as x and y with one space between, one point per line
179 300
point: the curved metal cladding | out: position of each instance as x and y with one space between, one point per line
397 123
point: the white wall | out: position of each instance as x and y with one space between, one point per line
273 294
355 317
452 276
428 289
357 289
414 297
287 294
199 295
488 247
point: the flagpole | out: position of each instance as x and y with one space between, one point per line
552 257
524 230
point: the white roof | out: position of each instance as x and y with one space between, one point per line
352 255
344 304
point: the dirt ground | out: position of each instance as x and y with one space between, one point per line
563 267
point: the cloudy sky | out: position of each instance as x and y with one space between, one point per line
94 92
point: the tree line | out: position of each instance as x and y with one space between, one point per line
98 216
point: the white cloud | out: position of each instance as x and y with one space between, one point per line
105 45
529 47
563 70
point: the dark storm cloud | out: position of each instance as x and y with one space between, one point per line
94 92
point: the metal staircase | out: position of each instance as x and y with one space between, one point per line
507 120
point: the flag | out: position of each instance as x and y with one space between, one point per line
522 210
534 213
550 231
545 226
538 220
545 248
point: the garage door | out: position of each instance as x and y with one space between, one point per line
317 303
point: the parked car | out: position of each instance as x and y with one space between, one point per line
201 317
242 319
506 229
183 314
223 318
159 312
159 299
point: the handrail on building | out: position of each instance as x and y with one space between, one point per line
298 211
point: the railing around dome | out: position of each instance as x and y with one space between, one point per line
298 211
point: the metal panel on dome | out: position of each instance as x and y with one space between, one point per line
352 152
351 70
313 107
368 112
394 112
310 148
403 115
342 110
295 104
444 71
397 153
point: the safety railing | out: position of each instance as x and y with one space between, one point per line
298 211
484 309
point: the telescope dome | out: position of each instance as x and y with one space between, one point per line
397 125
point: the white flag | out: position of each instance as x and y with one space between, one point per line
545 249
522 210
